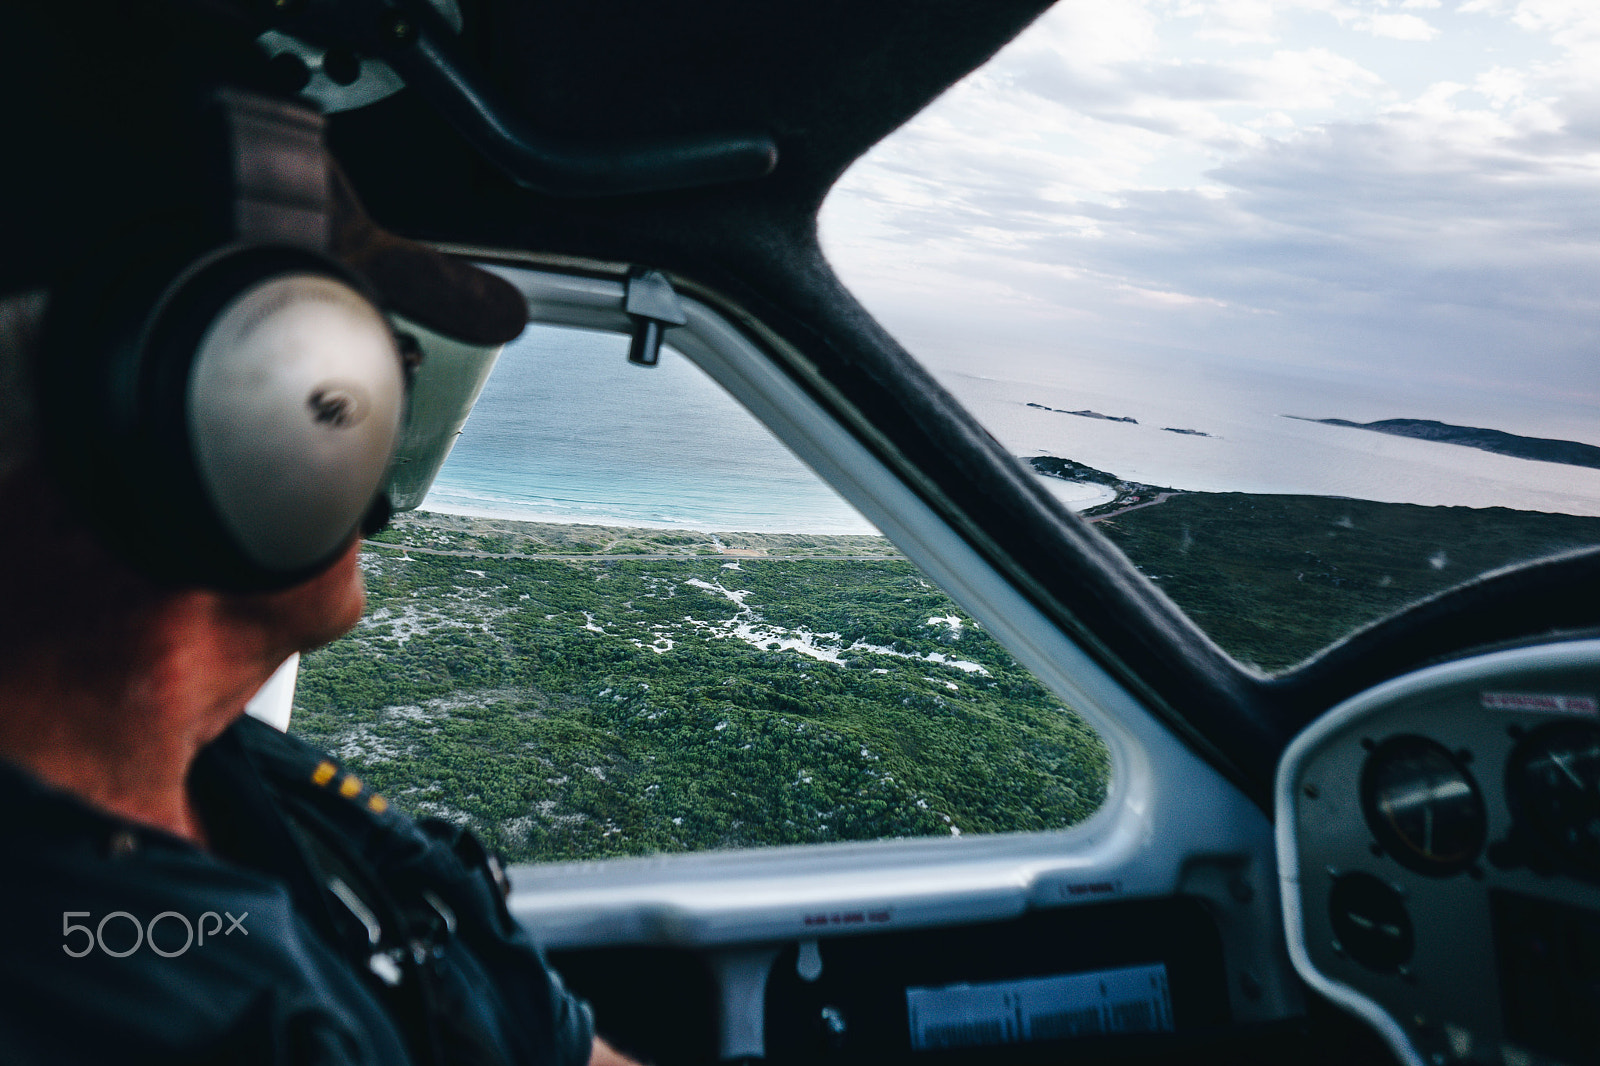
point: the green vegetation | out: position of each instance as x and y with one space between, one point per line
460 533
1274 579
578 708
583 691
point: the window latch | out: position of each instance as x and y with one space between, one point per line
653 305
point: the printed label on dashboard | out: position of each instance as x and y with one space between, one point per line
1540 703
1132 999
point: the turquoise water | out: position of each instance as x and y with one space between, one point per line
567 430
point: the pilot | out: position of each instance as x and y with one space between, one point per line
199 399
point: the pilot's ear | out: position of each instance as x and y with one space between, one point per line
440 292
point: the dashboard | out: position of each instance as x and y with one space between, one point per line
1439 848
1144 980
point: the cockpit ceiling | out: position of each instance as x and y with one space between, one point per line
825 80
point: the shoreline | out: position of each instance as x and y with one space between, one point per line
434 531
444 532
511 513
460 504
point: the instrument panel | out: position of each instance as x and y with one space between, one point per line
1439 844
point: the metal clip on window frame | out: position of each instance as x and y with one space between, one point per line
653 305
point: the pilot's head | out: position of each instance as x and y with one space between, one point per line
200 388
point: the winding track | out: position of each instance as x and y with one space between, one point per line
1161 497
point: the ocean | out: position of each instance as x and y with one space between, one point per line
568 431
1251 443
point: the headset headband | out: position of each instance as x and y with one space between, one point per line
282 189
221 397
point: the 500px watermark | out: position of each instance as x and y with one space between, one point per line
144 935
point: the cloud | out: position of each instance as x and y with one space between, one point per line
1398 27
1234 21
1379 214
1279 202
1239 22
1313 77
1571 25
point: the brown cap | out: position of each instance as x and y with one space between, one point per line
435 290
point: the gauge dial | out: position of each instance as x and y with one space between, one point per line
1553 785
1370 922
1423 806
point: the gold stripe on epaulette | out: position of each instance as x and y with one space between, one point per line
324 773
350 787
377 804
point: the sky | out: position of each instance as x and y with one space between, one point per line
1399 192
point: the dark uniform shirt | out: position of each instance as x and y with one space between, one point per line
321 928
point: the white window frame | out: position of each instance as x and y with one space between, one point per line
1170 822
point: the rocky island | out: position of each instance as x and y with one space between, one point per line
1087 414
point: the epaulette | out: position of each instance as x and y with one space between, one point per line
289 762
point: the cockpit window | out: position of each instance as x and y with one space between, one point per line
1295 298
627 621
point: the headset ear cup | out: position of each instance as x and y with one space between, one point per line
295 401
228 438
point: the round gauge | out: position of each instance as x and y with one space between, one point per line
1423 806
1370 922
1553 786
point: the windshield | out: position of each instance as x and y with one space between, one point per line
1296 299
626 620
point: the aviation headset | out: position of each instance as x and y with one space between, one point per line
220 397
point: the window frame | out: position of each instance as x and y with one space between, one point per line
1170 823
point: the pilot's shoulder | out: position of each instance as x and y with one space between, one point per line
292 765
